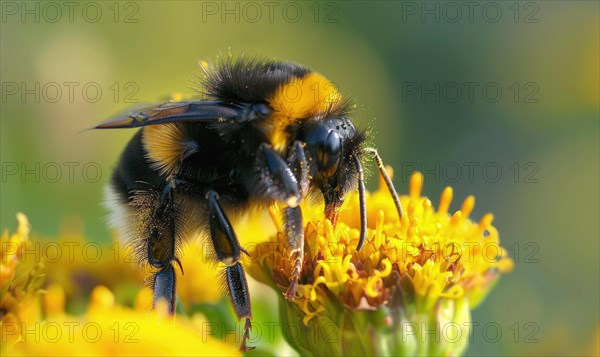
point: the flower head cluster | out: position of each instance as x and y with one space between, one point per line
413 275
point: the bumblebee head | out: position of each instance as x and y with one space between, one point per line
333 149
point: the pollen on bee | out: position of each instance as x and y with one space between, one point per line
293 201
229 261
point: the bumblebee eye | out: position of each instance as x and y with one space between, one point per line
330 153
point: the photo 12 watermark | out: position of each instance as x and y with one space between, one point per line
489 172
69 92
125 12
451 12
490 332
470 92
70 331
51 172
270 11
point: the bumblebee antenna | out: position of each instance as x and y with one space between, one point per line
362 202
387 180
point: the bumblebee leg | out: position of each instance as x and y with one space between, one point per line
299 165
228 251
240 299
294 230
275 180
161 248
293 224
362 202
164 287
386 179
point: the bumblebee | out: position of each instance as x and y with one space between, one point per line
269 132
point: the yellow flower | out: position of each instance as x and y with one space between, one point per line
199 270
78 265
111 330
34 326
418 274
19 294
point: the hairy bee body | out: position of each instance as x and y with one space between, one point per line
216 165
268 133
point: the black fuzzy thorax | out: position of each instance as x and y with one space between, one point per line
247 80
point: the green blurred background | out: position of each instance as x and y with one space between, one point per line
529 129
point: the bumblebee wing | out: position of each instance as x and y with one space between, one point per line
169 112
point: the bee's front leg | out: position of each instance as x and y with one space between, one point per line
274 179
228 251
299 165
294 231
285 182
292 216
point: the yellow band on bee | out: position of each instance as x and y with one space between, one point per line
298 100
164 145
